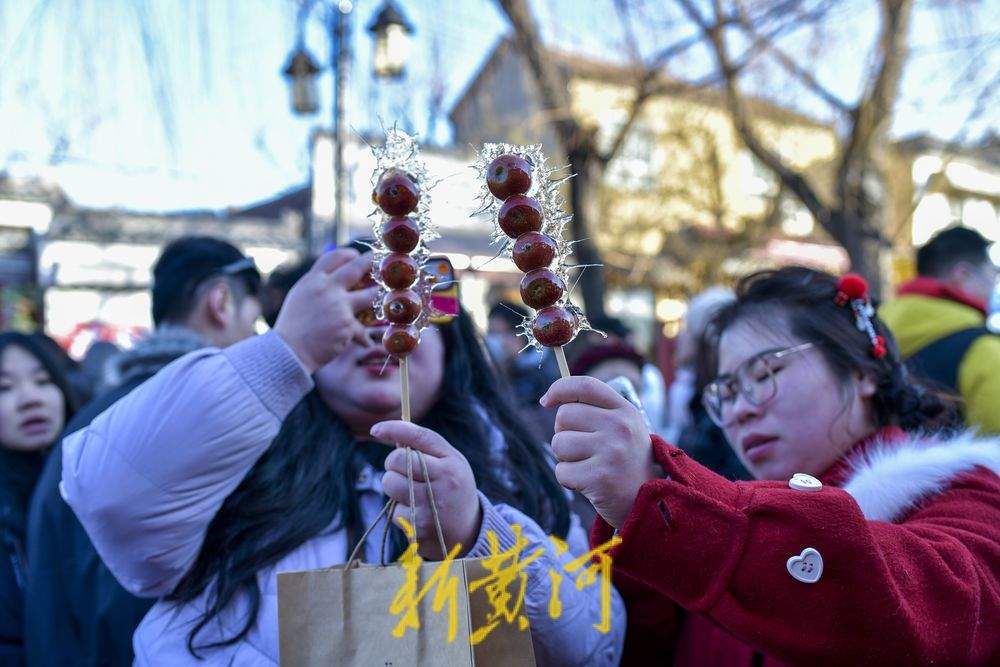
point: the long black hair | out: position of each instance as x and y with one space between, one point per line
305 480
807 298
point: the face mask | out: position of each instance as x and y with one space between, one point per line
495 344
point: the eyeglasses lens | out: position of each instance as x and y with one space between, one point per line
754 380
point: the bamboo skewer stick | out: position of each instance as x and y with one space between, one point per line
561 358
404 380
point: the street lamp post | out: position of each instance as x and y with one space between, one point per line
340 61
301 72
392 43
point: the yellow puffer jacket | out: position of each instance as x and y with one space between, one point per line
917 321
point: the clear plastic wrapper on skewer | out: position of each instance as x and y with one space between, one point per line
402 227
521 194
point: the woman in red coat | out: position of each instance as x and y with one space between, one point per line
868 543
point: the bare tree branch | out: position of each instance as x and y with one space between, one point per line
551 86
791 179
649 80
652 83
853 216
978 108
874 110
792 67
643 92
157 73
695 15
631 43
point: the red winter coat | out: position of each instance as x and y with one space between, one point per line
908 532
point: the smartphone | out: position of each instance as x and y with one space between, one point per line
444 294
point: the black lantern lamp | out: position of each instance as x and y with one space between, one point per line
301 72
392 41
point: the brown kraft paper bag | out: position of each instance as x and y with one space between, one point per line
344 615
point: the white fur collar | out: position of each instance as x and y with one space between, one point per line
891 478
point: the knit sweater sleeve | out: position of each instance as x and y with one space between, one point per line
923 591
150 473
574 619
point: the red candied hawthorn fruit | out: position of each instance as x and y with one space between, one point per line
396 193
554 326
508 175
400 339
398 271
519 215
401 234
541 288
367 317
402 306
533 250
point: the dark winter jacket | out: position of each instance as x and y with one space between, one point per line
19 473
11 648
76 612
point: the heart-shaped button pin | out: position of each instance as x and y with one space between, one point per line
807 567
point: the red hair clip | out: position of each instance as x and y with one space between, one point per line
851 286
853 289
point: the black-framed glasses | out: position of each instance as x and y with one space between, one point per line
753 379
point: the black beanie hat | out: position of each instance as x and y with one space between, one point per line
187 262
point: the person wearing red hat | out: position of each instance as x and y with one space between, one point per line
610 360
870 536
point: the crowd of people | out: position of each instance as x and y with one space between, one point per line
816 484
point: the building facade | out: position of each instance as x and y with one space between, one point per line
935 185
82 274
683 203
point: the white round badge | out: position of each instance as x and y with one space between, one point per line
803 482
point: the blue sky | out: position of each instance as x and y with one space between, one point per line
172 104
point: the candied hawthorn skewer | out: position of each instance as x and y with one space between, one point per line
531 220
400 229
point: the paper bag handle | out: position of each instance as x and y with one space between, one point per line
389 508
